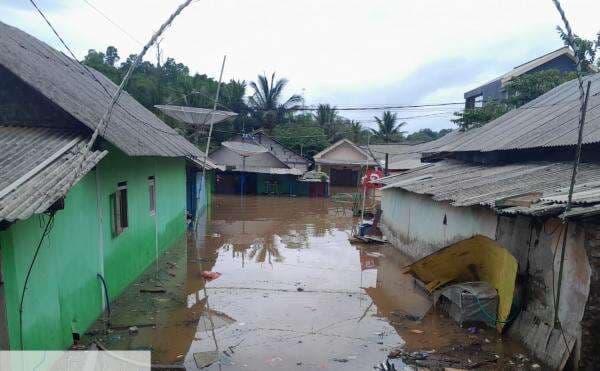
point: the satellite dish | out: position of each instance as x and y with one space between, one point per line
194 115
245 149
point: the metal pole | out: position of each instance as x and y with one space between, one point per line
243 180
212 324
212 114
362 212
387 160
569 202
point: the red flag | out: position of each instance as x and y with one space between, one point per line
371 176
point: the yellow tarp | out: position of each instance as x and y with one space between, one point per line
475 259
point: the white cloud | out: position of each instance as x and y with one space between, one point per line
342 52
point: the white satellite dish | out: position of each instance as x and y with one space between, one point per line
194 115
245 149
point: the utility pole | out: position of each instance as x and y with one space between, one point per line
387 158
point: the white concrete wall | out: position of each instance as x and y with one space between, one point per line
415 223
344 152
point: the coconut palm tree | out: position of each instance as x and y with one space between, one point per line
327 118
387 128
267 102
356 131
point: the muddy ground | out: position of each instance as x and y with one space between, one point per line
294 293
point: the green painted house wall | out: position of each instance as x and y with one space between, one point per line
64 294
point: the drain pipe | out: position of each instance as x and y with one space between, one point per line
105 290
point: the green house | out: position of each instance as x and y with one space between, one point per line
78 227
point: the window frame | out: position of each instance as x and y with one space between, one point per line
120 209
152 195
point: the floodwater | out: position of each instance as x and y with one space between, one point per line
294 293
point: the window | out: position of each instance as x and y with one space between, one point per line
152 194
119 209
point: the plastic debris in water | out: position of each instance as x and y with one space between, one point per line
210 276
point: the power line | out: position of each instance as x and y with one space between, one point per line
113 22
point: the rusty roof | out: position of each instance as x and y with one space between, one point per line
132 128
467 184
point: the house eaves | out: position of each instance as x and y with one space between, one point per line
551 120
85 94
40 166
464 184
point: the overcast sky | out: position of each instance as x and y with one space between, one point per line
344 53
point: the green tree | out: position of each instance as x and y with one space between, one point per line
586 49
425 135
388 130
422 135
327 118
267 102
356 132
520 90
97 60
112 56
302 135
527 87
475 117
172 83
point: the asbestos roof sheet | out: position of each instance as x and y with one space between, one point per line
322 161
550 120
379 150
268 170
39 172
405 163
132 128
466 184
282 152
24 148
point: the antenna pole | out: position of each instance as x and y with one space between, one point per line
210 130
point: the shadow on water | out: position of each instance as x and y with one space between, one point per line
293 293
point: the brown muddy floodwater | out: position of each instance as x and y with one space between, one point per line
293 294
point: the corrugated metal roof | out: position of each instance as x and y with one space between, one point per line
42 171
548 121
465 184
379 150
370 162
24 148
132 128
405 163
282 152
403 156
268 170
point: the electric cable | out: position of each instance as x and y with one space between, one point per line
45 233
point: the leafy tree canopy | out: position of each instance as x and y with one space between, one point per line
268 107
425 135
526 88
302 135
388 130
267 102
